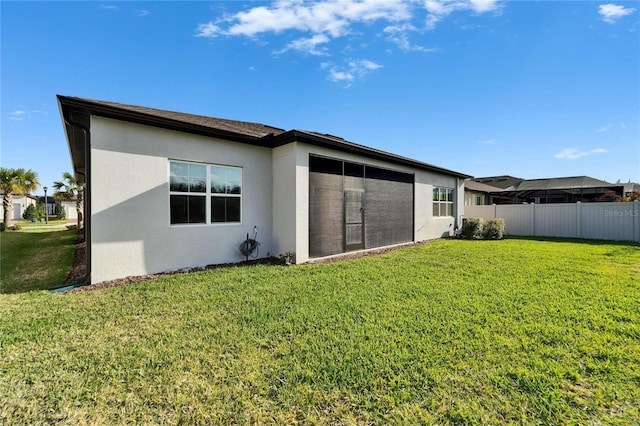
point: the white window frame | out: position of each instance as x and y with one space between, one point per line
443 205
208 194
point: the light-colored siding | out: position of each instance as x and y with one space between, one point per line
284 199
598 221
130 230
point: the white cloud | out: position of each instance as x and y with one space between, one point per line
17 115
108 7
318 23
208 30
355 68
610 126
610 13
488 142
440 9
309 45
331 17
335 18
399 34
574 153
335 75
597 151
20 114
142 12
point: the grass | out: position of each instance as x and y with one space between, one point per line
451 332
52 222
35 261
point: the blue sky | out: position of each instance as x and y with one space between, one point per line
532 89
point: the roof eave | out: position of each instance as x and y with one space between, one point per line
113 112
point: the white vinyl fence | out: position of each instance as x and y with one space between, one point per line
596 221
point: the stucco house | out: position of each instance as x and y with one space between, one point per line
513 190
19 204
168 190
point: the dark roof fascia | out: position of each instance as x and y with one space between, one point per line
113 112
345 146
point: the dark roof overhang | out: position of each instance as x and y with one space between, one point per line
77 112
111 110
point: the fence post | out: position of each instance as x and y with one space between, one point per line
579 219
533 219
495 211
636 220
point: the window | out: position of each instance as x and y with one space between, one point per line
442 201
202 193
226 190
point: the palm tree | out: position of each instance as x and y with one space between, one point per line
68 189
16 182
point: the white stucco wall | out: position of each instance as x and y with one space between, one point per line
284 199
131 232
70 210
426 226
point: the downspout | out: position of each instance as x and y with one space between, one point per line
87 198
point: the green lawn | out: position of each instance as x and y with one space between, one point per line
35 261
52 222
451 332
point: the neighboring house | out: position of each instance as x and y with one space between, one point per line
168 190
19 205
512 190
51 204
631 188
478 194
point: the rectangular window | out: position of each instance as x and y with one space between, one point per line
204 193
442 201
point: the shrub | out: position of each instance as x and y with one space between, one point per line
40 212
16 227
30 212
472 228
60 211
3 226
493 229
287 257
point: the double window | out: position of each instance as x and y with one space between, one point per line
204 193
442 201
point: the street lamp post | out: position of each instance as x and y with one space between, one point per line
46 207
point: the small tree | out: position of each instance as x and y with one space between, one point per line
68 189
40 211
16 182
29 213
60 211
